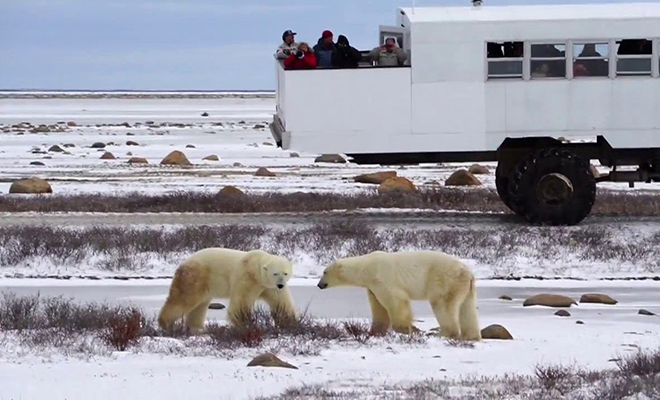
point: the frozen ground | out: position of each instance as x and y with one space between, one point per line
539 338
228 132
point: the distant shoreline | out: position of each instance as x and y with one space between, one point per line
134 94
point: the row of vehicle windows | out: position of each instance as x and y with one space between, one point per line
506 60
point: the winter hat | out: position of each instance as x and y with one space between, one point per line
343 40
326 34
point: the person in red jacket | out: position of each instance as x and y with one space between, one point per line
304 58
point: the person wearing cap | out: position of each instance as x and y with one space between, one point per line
324 49
288 47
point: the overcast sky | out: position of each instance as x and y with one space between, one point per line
175 45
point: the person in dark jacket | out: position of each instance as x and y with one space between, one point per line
303 58
324 49
345 56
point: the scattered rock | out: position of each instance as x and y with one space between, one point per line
237 164
597 298
462 177
231 191
645 312
130 134
216 306
259 126
176 158
138 160
549 300
205 114
294 155
594 171
190 146
110 144
30 185
505 297
71 123
267 144
41 129
477 169
264 172
579 322
108 156
330 158
396 185
129 153
125 124
56 149
269 360
496 331
563 313
39 163
69 145
376 177
98 145
212 157
132 143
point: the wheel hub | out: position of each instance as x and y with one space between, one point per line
554 189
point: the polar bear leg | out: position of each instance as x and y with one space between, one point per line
380 320
280 303
446 312
468 316
398 308
241 303
195 320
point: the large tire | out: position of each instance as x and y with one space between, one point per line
553 187
502 185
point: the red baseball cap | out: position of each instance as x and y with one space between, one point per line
326 34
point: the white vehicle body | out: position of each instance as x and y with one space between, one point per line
444 100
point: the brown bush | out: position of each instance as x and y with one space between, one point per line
124 329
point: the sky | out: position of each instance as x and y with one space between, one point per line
176 45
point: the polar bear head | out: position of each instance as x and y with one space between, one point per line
333 275
276 272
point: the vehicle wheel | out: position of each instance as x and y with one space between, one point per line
553 187
502 185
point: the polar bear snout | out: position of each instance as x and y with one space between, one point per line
280 286
322 285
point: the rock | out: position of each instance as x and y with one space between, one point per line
563 313
30 185
579 322
330 158
110 144
594 171
130 134
505 297
477 169
41 129
69 145
269 360
138 160
294 155
237 164
125 124
132 143
432 183
216 306
259 126
496 331
264 172
176 158
98 145
71 123
129 153
39 163
205 114
645 312
549 300
376 177
190 146
56 149
212 157
396 185
597 298
231 191
267 144
462 177
108 156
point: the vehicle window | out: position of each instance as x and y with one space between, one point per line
505 60
548 61
634 57
591 60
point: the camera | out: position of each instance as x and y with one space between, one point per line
300 54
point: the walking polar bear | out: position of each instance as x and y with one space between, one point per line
242 277
392 280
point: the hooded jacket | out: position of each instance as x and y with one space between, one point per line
345 56
324 53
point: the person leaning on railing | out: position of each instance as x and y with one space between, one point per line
303 58
288 46
388 55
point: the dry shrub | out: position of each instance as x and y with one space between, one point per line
358 330
19 313
124 329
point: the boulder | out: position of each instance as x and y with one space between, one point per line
505 297
462 177
237 164
108 156
597 298
259 126
330 158
267 144
549 300
579 322
264 172
39 163
132 143
269 360
216 306
56 149
496 331
231 191
294 155
30 185
396 185
190 146
563 313
41 129
212 157
205 114
138 160
69 145
175 158
71 124
376 177
645 312
98 145
477 169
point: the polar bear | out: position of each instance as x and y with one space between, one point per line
242 277
392 280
